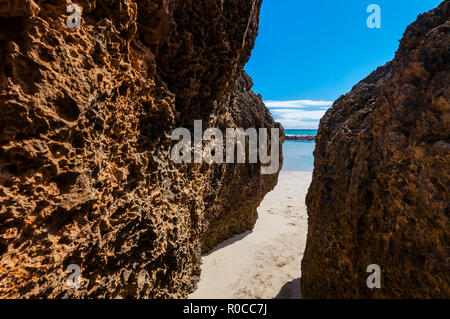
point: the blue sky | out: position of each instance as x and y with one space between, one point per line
309 52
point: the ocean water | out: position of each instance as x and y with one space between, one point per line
300 132
298 156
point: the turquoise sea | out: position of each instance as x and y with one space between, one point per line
298 155
300 132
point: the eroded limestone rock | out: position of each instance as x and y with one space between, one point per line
85 122
379 193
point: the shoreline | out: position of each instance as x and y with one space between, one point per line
262 263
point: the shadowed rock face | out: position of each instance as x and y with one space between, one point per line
233 200
380 187
85 122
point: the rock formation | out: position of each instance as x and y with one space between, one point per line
86 116
240 188
379 193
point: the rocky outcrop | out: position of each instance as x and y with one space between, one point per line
85 137
300 138
379 193
232 203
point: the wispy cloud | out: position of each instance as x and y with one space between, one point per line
297 103
298 114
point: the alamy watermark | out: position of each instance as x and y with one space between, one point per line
374 280
74 20
374 20
209 146
74 279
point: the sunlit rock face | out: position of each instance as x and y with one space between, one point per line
379 193
86 117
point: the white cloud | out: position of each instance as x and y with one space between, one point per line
297 103
298 114
292 113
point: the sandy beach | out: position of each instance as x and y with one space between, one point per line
265 262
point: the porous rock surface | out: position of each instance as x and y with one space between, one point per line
86 117
232 207
379 193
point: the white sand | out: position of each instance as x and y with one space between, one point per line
263 263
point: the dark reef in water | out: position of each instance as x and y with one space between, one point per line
300 137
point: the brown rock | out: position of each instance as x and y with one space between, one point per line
232 210
86 117
382 168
